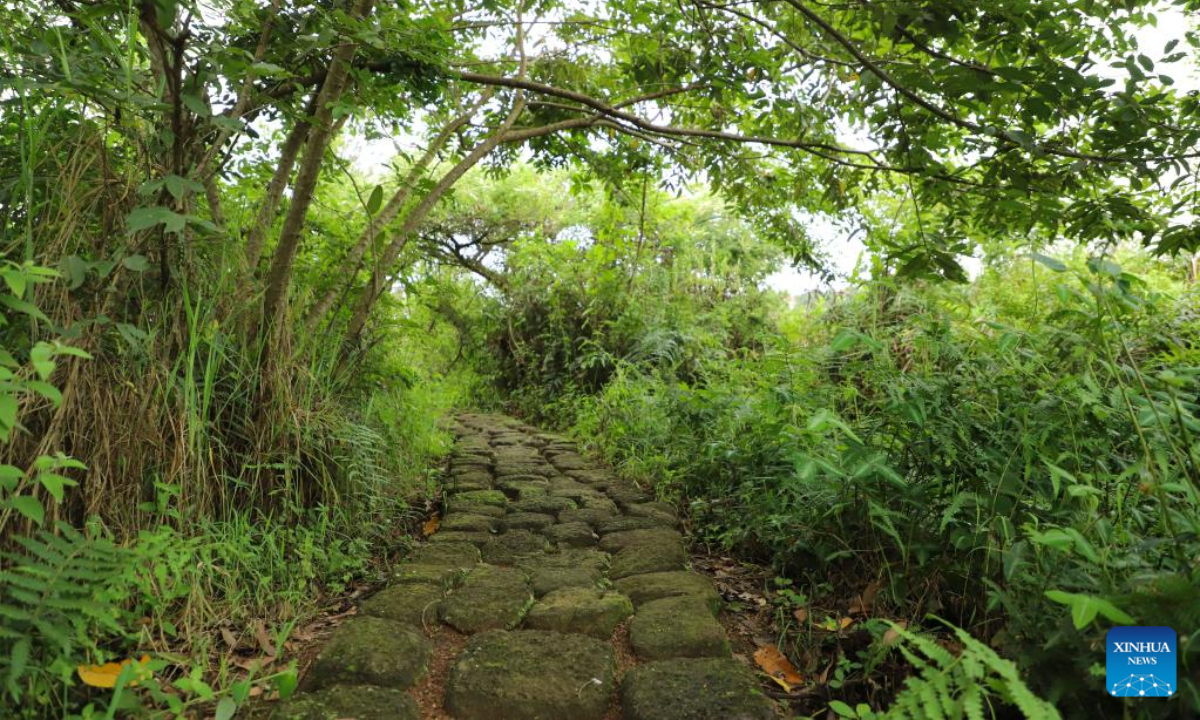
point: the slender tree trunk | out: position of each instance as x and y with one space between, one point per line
280 273
413 220
256 238
388 213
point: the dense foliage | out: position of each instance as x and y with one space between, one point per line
225 343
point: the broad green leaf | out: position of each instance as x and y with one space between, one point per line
28 506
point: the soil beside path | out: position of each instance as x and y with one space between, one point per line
553 590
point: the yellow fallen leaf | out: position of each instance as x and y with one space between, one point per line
845 623
431 525
892 635
774 664
105 676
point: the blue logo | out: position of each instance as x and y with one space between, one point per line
1140 662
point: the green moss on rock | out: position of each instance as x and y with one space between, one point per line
460 537
617 541
655 586
466 522
571 535
677 627
548 505
527 521
447 553
370 651
349 702
532 675
588 611
506 549
412 604
592 517
490 598
625 523
647 556
693 689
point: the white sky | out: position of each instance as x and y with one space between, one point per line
844 252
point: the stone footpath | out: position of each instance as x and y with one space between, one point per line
541 559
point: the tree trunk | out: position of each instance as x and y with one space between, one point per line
280 273
376 285
257 236
388 213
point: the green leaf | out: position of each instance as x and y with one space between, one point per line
23 306
46 390
74 269
8 412
144 218
54 484
40 357
226 708
136 263
16 281
842 709
1055 265
1084 608
29 506
376 200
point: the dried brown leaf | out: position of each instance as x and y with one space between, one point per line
778 667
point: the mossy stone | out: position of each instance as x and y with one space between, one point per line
466 522
592 517
597 502
655 586
592 477
447 553
349 702
371 651
625 523
412 604
532 675
571 535
548 505
647 556
461 486
460 537
625 494
527 521
412 573
677 627
569 568
617 541
588 611
489 598
507 548
569 461
481 497
546 580
520 489
508 469
693 689
457 504
655 511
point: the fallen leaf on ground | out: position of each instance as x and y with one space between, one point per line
892 635
105 676
431 525
801 614
774 663
253 664
264 640
863 603
229 638
845 623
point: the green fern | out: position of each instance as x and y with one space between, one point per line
54 602
949 687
